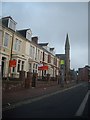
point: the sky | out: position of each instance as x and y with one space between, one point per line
51 21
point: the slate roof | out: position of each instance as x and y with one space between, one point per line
52 49
61 56
43 44
23 32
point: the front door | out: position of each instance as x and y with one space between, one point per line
3 65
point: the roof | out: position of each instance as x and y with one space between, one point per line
67 42
8 18
43 44
52 48
23 32
61 56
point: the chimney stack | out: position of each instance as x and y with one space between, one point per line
35 39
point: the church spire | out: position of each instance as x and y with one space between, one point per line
67 45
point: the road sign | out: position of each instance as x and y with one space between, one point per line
62 62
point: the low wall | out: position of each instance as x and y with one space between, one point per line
12 85
16 84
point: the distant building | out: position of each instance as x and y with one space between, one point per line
66 58
84 73
73 74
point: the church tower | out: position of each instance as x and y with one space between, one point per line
67 59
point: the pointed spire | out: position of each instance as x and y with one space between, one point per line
67 42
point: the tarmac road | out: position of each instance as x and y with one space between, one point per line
61 105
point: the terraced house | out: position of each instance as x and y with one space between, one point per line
25 51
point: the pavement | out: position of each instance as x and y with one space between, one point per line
15 98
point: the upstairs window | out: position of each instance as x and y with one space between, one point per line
0 38
32 51
28 36
6 39
12 24
17 45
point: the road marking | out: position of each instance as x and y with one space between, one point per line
38 98
82 106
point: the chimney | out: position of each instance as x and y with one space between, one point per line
35 39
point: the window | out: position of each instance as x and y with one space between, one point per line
18 68
30 67
44 72
28 36
13 68
17 45
6 39
0 38
12 25
22 65
34 68
32 51
39 55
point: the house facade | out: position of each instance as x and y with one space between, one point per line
19 45
84 73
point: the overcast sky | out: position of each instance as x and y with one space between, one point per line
51 22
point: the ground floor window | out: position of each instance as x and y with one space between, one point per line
22 65
13 69
18 67
30 67
34 68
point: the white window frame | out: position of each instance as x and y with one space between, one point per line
32 52
6 40
12 24
17 45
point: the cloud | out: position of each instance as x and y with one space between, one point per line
52 21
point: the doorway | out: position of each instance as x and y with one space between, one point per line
3 65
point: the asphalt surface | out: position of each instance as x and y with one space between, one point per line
86 111
61 105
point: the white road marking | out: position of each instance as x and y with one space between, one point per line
82 106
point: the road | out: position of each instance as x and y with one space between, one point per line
86 111
61 105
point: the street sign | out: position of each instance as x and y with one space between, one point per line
62 62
